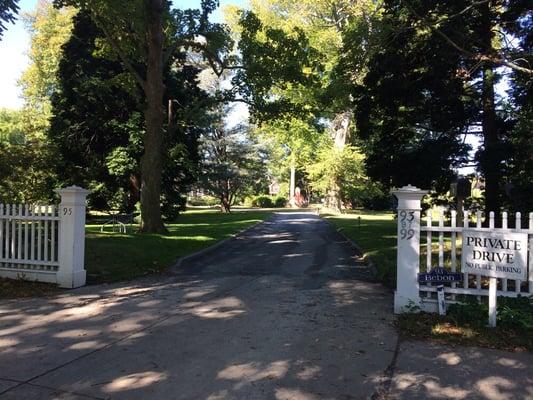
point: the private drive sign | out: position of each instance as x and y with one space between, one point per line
495 254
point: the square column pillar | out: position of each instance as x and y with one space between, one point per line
71 272
408 258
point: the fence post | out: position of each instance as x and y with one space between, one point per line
408 259
71 273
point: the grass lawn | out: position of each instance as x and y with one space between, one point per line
111 257
375 233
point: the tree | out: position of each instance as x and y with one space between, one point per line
11 129
339 169
518 165
232 163
8 11
412 108
97 121
49 29
144 34
290 51
27 157
480 34
98 124
296 140
25 174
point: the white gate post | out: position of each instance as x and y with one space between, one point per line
408 259
71 272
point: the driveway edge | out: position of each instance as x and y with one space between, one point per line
368 261
175 268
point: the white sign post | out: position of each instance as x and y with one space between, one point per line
496 255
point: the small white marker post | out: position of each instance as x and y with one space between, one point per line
441 300
493 284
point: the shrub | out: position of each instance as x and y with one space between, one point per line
204 201
513 313
263 202
280 201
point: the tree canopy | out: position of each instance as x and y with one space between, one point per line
8 12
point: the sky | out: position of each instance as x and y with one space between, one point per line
15 43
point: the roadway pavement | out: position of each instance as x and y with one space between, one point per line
286 310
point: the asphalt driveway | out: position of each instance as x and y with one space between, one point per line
284 311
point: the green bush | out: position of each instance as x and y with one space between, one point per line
204 201
263 202
280 201
513 313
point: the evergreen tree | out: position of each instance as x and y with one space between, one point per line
145 36
8 11
98 125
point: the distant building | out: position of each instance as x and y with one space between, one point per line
273 188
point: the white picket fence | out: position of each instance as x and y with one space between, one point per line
45 243
445 253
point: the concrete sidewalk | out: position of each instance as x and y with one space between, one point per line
284 311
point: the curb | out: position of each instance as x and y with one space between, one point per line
358 248
177 265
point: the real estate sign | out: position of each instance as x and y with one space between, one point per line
495 254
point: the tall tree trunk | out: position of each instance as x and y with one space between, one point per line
339 133
292 183
225 201
151 162
490 162
225 205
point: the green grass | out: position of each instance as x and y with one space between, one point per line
111 257
375 233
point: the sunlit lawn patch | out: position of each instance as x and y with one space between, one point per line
115 256
375 233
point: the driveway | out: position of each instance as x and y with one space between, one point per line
284 311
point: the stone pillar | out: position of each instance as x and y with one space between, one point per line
71 272
408 259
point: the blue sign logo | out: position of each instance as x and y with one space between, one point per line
440 275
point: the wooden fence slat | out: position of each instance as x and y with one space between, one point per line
504 226
518 225
531 255
1 231
13 230
466 223
19 233
454 245
39 234
26 223
53 256
32 235
428 248
46 212
441 240
479 217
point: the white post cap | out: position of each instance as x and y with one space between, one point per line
409 197
72 189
